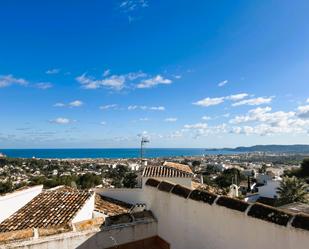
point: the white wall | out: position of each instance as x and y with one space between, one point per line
91 239
86 211
12 202
127 195
270 189
185 223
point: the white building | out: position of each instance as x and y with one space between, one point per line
270 187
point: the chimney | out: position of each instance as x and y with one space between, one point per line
202 179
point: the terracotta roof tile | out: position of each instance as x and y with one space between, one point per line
168 169
109 206
50 208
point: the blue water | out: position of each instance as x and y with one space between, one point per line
104 153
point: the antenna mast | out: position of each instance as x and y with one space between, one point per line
143 142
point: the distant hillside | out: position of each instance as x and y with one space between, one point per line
296 148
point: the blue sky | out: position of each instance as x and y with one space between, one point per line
183 73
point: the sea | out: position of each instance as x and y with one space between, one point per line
108 153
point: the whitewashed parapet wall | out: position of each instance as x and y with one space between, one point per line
202 220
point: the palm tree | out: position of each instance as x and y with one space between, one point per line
292 190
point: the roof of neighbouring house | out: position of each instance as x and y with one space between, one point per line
54 207
110 206
296 207
168 169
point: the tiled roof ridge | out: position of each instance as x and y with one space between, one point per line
184 171
255 210
35 209
178 166
165 171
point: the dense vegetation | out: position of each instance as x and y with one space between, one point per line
85 175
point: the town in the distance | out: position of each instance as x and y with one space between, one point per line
86 200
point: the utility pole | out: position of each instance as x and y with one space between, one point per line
143 141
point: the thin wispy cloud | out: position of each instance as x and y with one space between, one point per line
61 121
170 120
44 85
239 99
8 80
108 107
53 71
114 82
132 5
206 118
75 103
209 101
119 82
144 108
152 82
254 101
223 83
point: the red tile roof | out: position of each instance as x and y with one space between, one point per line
54 207
109 206
168 169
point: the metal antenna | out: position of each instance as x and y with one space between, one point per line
143 141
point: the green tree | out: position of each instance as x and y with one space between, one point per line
6 187
129 181
304 169
292 190
228 177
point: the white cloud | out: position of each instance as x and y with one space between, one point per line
152 82
209 101
131 5
237 97
177 76
103 123
307 100
144 119
44 85
170 120
143 107
206 118
264 122
202 129
157 108
263 115
303 111
59 104
106 72
76 103
196 126
254 101
61 121
114 82
53 71
218 100
222 83
107 107
8 80
136 75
